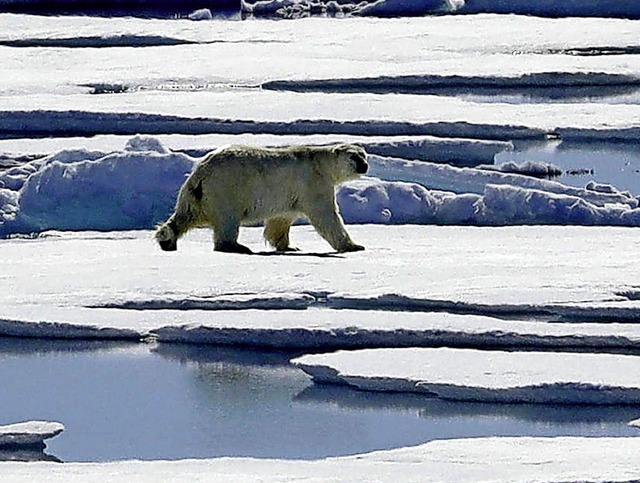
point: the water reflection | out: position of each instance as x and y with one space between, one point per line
431 407
25 346
170 401
611 94
26 455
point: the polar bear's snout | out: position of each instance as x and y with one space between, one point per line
166 237
168 245
360 161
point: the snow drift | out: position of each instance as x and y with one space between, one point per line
136 188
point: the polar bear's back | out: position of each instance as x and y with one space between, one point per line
252 156
263 181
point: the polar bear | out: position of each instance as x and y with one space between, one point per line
238 185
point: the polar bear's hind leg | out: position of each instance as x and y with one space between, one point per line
276 233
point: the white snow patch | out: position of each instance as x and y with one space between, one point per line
485 376
28 433
146 144
527 267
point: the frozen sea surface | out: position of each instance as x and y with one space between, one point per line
122 401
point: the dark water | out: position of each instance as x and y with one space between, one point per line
173 401
112 8
614 163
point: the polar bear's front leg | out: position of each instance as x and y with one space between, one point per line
328 223
225 236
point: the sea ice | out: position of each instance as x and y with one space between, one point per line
498 460
394 293
484 376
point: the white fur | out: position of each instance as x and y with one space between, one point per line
239 185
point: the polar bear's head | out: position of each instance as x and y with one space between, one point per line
166 237
351 161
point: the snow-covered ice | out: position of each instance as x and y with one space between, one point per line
124 286
484 376
322 328
180 83
199 321
535 460
30 433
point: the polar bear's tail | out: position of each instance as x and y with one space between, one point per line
187 215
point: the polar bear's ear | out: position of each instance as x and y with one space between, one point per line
338 148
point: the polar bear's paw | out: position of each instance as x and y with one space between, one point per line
232 247
353 247
287 249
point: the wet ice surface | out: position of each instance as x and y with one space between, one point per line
124 401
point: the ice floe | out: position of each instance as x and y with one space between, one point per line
468 180
409 290
450 461
530 168
30 433
484 376
313 328
313 50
